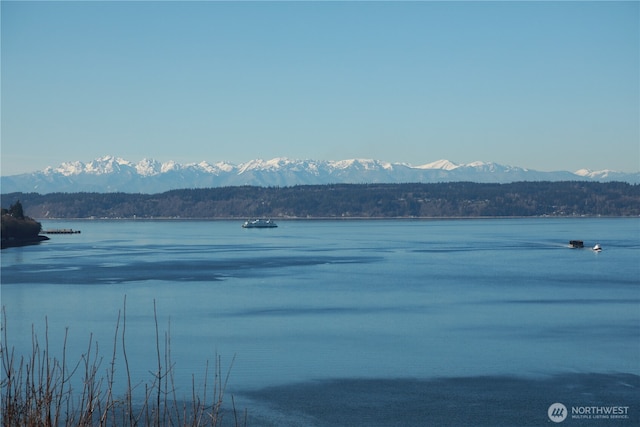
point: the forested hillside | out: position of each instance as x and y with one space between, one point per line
460 199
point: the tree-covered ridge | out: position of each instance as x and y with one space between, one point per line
460 199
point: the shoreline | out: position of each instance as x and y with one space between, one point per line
13 243
321 218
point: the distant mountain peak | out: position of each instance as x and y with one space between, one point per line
602 174
111 173
366 164
440 164
148 167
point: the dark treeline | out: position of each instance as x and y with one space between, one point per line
459 199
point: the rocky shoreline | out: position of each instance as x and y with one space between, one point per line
13 242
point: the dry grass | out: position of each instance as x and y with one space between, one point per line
37 390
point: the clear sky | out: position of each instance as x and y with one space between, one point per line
542 85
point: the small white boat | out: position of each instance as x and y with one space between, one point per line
259 223
597 247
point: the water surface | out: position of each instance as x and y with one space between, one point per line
339 300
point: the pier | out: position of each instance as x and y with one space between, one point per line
61 231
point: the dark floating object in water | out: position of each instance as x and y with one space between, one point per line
576 243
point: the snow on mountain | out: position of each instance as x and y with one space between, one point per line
583 172
169 166
66 169
603 174
111 174
148 167
440 164
103 165
107 164
214 169
361 164
271 165
608 175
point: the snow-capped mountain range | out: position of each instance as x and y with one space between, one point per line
115 174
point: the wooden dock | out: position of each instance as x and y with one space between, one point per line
61 231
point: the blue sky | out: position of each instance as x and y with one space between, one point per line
543 85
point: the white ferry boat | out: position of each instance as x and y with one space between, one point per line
259 223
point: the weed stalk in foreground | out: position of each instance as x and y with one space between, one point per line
37 390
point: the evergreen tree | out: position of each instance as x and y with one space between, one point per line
16 210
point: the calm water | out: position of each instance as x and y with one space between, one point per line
335 300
